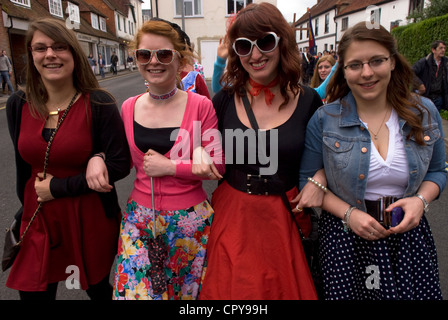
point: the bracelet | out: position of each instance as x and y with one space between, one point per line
100 155
425 203
320 185
346 220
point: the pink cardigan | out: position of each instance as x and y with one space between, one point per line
184 189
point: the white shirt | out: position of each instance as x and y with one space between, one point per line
388 177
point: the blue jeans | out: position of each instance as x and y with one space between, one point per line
5 77
438 101
102 72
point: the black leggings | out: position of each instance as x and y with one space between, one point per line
100 291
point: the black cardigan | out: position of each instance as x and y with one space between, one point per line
108 136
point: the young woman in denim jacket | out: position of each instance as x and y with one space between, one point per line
375 139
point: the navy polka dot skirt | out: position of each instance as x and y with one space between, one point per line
401 267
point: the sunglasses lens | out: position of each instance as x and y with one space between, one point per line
165 56
242 47
267 43
142 55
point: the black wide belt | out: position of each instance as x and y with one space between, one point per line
376 209
256 184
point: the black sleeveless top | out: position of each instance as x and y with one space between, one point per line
157 139
283 152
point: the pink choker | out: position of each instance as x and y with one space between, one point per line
164 96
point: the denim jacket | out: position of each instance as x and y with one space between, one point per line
338 141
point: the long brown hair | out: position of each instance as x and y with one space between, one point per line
399 94
316 80
83 78
254 22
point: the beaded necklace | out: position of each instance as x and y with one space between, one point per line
164 96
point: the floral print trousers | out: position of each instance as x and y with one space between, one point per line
185 234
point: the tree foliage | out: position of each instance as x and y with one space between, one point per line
435 8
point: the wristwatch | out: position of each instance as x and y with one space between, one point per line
425 203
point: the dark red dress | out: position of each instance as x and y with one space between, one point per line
71 233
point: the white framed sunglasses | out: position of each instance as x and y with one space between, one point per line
243 46
163 56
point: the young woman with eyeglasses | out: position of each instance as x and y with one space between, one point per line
255 250
166 128
383 152
75 228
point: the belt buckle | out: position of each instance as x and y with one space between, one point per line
256 182
385 218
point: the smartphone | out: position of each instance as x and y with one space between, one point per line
397 215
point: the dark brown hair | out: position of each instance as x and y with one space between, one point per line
254 22
84 80
399 94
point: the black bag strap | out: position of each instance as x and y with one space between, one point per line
254 124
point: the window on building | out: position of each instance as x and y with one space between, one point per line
375 16
191 8
301 35
327 23
94 19
55 7
25 3
103 24
416 5
73 12
118 23
124 24
233 6
316 27
394 24
344 23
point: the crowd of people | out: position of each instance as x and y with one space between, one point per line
357 143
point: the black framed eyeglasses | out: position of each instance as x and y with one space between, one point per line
243 46
373 63
163 56
56 47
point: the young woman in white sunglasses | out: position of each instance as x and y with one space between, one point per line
255 249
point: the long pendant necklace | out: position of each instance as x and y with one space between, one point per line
375 135
55 113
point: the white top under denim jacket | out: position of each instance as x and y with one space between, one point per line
338 141
395 165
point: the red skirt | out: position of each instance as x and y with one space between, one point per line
254 250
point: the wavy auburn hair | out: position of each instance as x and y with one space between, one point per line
254 22
399 94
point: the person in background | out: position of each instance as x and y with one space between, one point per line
75 226
114 63
382 149
92 62
255 250
101 65
308 63
431 75
220 64
166 224
5 71
130 61
322 70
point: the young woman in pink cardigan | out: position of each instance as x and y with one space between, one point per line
164 128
